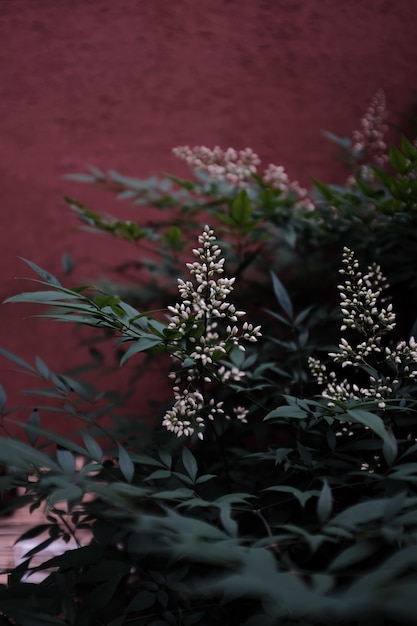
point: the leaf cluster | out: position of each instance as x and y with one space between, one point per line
304 516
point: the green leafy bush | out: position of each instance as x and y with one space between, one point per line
279 486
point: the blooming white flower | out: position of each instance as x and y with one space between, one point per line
197 318
233 166
275 177
370 142
237 168
366 316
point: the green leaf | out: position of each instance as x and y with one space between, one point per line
189 463
325 190
397 159
102 593
241 209
159 474
17 360
406 471
42 367
282 296
205 478
372 421
17 454
66 460
401 561
390 450
353 555
126 465
123 493
302 316
394 507
165 457
3 399
174 238
301 496
46 276
34 422
67 263
81 178
305 454
146 342
45 297
343 142
144 459
185 184
281 454
229 524
409 150
287 412
226 219
324 503
142 600
233 498
104 300
60 440
173 494
93 449
70 493
361 513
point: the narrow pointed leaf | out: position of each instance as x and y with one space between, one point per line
17 360
46 276
94 450
373 422
189 463
66 460
282 296
143 344
126 465
324 503
3 398
301 496
34 422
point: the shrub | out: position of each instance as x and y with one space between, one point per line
279 485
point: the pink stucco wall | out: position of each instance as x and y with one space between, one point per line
118 83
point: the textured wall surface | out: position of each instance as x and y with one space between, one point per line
117 84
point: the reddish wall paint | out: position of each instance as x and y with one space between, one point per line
117 84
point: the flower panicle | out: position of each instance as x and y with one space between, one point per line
275 177
238 167
199 319
369 142
365 315
233 166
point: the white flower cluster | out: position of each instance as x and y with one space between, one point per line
276 177
370 141
195 319
238 167
233 166
412 174
364 314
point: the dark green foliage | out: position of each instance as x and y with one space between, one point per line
304 516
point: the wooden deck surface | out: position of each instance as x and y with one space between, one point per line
11 553
11 527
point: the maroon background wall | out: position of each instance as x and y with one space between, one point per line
117 84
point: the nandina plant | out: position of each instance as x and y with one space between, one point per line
278 486
241 507
257 210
